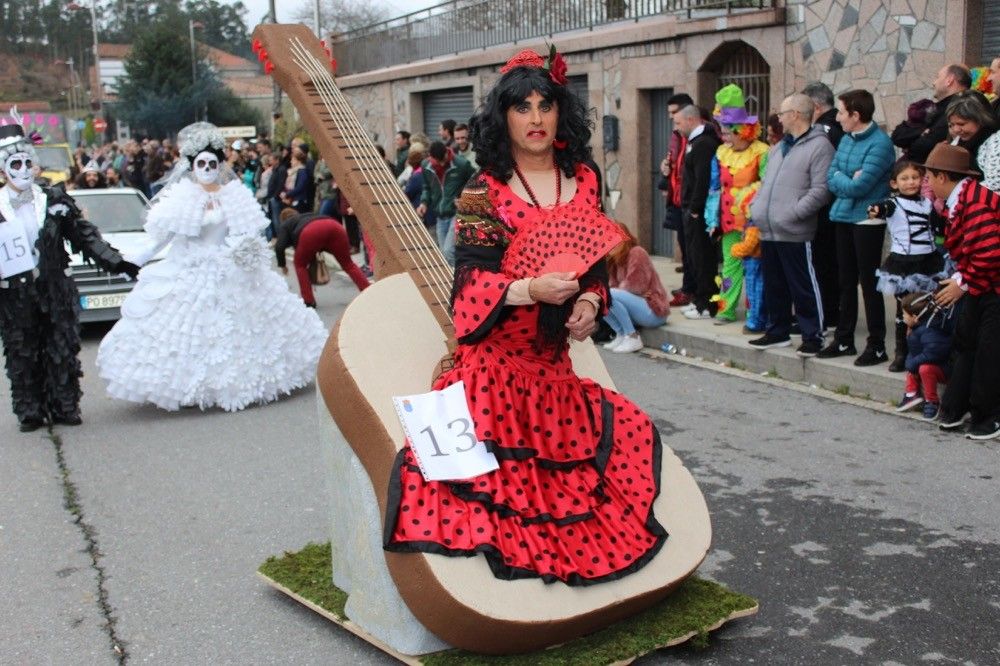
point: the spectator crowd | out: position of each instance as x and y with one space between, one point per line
802 222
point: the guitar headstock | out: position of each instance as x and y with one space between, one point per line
285 49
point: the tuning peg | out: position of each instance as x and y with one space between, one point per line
333 65
262 55
256 46
322 43
268 67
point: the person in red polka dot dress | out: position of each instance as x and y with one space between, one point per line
579 470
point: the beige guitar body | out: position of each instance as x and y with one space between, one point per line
387 343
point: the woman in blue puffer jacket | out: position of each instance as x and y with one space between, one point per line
859 177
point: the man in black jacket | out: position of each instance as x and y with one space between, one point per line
702 143
279 172
824 246
39 302
951 80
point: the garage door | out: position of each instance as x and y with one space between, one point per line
453 103
991 30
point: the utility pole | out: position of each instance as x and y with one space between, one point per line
319 29
192 24
276 106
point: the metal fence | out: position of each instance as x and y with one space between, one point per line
464 25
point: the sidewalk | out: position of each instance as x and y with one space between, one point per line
729 345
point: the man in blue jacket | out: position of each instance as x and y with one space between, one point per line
858 178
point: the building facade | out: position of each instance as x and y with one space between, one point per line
626 63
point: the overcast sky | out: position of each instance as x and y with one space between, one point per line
285 8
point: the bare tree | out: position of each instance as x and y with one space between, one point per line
339 16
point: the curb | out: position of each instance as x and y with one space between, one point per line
840 376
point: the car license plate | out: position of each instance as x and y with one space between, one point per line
101 301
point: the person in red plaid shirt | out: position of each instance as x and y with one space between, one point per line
972 238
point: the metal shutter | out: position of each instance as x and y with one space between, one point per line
578 84
991 31
453 103
660 128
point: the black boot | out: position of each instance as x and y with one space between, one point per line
899 360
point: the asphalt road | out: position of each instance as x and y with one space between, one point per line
135 537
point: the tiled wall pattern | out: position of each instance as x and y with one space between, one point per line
893 48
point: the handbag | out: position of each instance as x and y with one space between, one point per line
319 274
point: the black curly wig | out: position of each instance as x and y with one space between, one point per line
488 127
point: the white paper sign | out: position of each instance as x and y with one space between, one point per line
442 435
15 250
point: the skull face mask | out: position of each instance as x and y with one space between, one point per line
17 171
206 167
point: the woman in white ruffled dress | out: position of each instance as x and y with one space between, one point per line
211 324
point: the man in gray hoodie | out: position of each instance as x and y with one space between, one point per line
785 210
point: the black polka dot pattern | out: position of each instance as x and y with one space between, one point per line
573 497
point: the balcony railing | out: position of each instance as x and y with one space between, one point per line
465 25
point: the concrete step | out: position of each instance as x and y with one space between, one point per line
729 345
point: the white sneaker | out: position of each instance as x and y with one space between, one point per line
629 344
695 314
689 307
614 342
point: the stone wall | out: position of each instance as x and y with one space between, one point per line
893 48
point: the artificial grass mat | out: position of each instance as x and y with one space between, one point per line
696 607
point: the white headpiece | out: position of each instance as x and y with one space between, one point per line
13 139
193 140
197 137
17 153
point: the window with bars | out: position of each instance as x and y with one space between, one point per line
742 64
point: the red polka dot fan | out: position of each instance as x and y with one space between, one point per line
569 238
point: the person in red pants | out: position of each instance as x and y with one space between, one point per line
310 233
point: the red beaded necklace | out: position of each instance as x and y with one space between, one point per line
531 193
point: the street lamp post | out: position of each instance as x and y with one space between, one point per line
98 93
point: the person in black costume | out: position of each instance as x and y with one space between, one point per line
39 303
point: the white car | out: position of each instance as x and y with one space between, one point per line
119 213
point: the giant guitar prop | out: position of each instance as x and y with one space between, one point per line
389 342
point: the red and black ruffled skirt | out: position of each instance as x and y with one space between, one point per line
579 471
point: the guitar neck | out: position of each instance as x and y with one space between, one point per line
302 68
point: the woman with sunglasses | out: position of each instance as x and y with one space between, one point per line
211 324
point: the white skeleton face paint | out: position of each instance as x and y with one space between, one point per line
17 170
206 167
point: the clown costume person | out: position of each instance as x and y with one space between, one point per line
39 303
211 324
737 171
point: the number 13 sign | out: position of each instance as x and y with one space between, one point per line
442 435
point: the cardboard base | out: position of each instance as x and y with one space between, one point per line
697 607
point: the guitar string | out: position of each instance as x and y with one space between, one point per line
416 233
371 161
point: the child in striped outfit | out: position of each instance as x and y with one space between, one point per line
913 263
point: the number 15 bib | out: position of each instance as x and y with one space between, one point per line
15 250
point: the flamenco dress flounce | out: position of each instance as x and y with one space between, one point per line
579 470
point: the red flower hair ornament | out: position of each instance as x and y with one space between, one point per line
555 65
